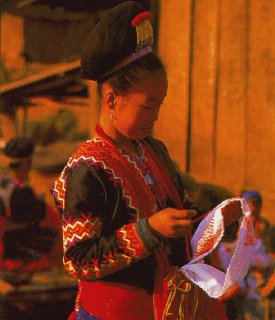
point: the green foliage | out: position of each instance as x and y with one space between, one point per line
61 126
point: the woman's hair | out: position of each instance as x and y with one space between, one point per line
126 78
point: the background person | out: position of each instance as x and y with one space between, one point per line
262 264
261 225
25 244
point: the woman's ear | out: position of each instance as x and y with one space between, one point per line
110 98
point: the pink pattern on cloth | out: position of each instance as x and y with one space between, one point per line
206 238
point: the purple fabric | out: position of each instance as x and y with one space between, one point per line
84 315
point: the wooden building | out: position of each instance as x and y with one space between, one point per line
218 119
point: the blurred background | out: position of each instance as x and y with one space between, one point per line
218 120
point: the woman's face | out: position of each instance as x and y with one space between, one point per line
136 112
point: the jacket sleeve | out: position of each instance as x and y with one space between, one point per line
95 243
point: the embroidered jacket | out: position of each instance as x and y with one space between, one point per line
104 198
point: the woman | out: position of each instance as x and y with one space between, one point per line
26 243
126 216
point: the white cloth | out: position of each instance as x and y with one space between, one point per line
206 238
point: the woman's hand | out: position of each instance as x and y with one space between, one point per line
172 223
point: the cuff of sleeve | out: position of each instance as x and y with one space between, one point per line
146 234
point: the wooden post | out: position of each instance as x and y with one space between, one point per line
174 49
231 100
204 77
8 126
93 105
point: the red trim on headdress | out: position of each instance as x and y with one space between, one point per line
140 18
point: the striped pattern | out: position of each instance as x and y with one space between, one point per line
133 246
81 229
133 249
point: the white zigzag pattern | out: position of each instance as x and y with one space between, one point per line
87 224
124 238
61 180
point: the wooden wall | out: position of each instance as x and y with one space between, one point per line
218 119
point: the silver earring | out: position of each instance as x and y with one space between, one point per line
113 117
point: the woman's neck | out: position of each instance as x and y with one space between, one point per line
118 139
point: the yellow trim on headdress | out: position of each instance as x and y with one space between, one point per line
144 32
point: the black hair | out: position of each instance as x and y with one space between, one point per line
126 78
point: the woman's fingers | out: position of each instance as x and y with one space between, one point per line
182 229
184 214
171 222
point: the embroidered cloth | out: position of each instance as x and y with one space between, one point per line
206 238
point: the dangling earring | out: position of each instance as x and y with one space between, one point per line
113 116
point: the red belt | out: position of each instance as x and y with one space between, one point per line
109 300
